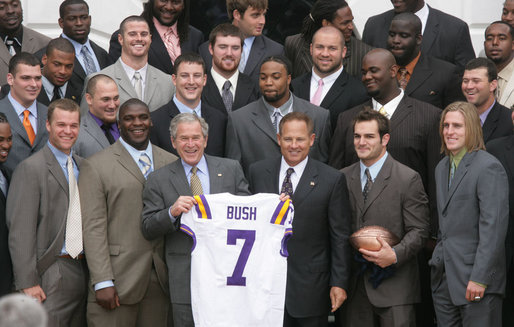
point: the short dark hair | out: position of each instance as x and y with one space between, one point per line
225 29
322 9
242 5
190 57
60 44
492 72
129 103
91 84
63 104
3 118
182 19
281 60
22 58
130 19
511 29
296 115
368 114
410 18
67 3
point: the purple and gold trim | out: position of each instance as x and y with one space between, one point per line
280 214
202 208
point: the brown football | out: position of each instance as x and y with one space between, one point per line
366 238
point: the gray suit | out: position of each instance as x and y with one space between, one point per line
21 147
473 218
159 88
163 188
37 208
32 41
251 136
91 137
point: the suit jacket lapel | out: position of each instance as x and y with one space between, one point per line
122 79
41 125
159 49
14 120
90 126
303 89
431 31
490 122
214 93
178 178
356 191
55 169
336 90
420 74
306 184
126 161
243 93
379 184
215 176
262 120
256 53
459 175
403 110
79 70
150 87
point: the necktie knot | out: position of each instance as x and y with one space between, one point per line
383 111
403 79
227 85
289 172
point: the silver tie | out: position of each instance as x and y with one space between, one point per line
88 60
73 235
277 116
138 85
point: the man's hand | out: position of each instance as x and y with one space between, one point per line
473 290
337 297
35 292
182 205
108 298
283 197
383 257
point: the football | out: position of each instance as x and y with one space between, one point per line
366 238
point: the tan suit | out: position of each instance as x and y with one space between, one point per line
111 187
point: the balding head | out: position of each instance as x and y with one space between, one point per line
329 31
379 71
327 51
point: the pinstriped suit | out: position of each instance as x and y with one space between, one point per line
298 52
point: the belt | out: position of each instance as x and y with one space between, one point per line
67 256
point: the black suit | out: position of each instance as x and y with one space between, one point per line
5 257
319 253
246 92
503 149
79 75
73 92
346 92
158 56
160 132
435 81
446 37
498 123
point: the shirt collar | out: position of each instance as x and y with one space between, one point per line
130 71
423 16
458 157
330 78
49 87
375 168
18 35
249 42
391 106
483 116
410 66
220 80
135 153
298 169
185 109
163 29
284 109
201 165
78 46
20 109
62 158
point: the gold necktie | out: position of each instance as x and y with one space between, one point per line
196 185
383 111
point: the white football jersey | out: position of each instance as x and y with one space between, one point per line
239 259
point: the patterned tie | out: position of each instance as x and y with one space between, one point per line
226 94
368 185
146 164
28 127
277 116
172 44
138 85
453 167
107 130
74 219
88 61
316 98
196 185
9 43
403 73
287 185
57 94
383 111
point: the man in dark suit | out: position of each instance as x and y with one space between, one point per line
478 85
503 149
329 85
45 233
386 193
227 89
171 33
27 117
168 193
335 13
468 264
16 37
444 36
98 128
422 76
75 21
318 266
5 177
189 81
252 130
249 16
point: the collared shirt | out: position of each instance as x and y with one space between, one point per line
20 109
115 132
220 81
185 109
423 16
504 76
247 47
286 108
458 157
62 159
295 177
49 88
374 169
78 52
410 68
173 47
130 74
391 106
483 116
327 82
136 154
18 36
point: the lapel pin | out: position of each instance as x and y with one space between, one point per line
312 184
73 97
219 175
432 92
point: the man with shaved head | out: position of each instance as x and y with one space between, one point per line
445 37
329 85
414 140
421 75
